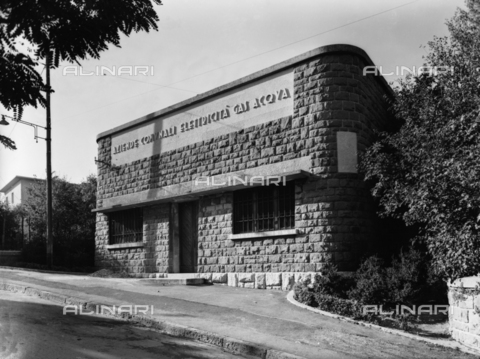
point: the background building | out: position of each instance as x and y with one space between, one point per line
15 193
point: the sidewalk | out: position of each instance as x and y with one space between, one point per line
264 318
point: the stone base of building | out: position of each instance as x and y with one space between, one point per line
464 313
279 281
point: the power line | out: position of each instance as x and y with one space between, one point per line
295 42
151 83
248 58
15 125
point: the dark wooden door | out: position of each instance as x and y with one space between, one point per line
188 226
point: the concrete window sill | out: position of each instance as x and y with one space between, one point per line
125 245
267 234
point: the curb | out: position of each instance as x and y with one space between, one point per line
231 345
44 271
453 345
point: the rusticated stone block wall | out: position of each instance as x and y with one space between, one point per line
153 257
464 313
334 211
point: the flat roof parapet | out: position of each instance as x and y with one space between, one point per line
328 49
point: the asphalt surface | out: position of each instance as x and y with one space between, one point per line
261 317
35 328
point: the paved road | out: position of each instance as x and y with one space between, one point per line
260 317
35 328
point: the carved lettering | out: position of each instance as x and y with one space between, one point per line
242 107
280 94
225 113
207 119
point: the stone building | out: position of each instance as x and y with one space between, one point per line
254 182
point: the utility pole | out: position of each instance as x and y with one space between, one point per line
4 225
49 168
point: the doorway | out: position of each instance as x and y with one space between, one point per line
188 233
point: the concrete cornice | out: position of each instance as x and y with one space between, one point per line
329 49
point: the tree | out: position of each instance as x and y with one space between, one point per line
10 231
20 84
71 31
74 229
426 171
75 30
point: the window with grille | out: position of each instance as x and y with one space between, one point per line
126 226
264 208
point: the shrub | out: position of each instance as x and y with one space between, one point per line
345 307
407 278
34 251
371 286
73 230
331 282
313 295
437 287
304 294
10 229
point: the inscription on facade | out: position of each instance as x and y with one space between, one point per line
263 101
145 140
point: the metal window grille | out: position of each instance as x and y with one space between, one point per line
265 208
126 226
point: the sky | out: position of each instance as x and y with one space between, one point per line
199 46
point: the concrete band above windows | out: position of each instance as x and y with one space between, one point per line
202 186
